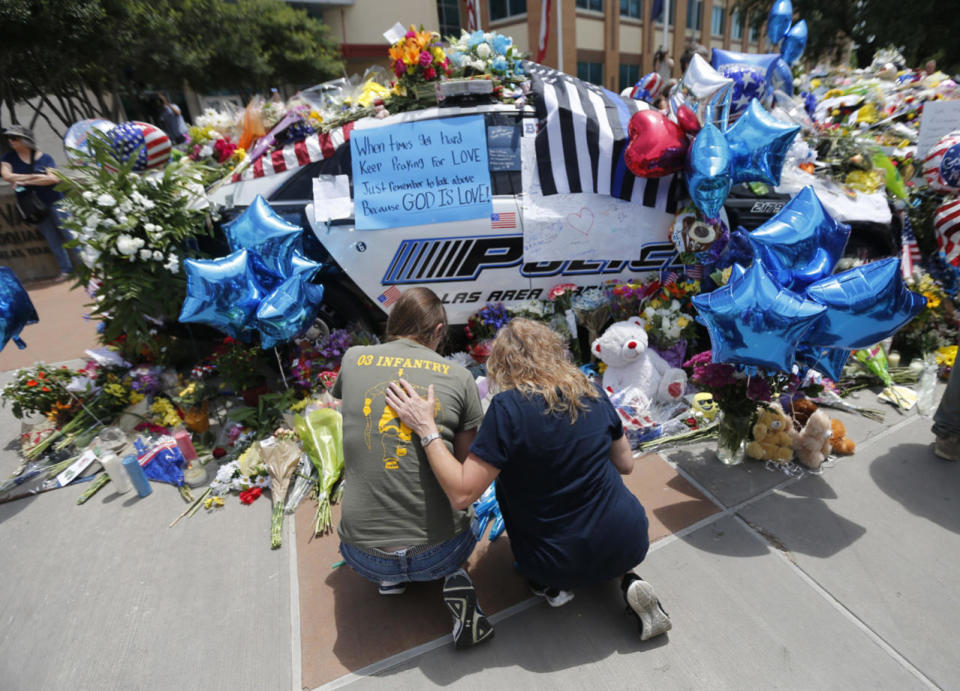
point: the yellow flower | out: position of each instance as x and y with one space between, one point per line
932 300
655 304
682 322
833 93
135 397
946 355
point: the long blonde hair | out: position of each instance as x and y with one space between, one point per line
532 358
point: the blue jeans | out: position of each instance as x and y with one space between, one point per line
429 563
54 235
946 421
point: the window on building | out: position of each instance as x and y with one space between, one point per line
631 8
695 14
753 34
736 25
501 9
449 13
629 75
590 72
595 5
659 13
716 21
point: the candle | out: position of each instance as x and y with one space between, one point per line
114 468
185 444
893 359
137 476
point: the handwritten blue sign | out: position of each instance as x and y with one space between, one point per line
417 173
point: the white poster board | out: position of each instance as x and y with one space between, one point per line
583 226
939 118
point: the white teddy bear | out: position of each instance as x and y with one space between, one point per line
631 365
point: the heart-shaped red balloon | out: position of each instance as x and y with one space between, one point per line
657 145
687 120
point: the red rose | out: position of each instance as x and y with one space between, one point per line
399 68
249 496
430 74
219 452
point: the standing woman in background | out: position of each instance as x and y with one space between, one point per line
30 173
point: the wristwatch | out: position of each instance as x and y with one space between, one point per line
425 441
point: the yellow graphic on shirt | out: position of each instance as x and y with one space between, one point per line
395 436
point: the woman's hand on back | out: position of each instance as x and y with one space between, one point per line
416 412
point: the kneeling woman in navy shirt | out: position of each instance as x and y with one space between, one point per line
557 445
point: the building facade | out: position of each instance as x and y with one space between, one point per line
607 42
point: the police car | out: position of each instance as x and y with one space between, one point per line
467 263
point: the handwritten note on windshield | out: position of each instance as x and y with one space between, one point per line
416 173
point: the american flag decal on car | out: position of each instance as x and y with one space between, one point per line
389 296
504 220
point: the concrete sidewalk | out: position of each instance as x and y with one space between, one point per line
840 580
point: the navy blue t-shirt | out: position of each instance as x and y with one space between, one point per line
47 193
570 518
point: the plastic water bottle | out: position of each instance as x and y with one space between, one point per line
927 387
137 476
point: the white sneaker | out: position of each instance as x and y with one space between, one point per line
643 602
554 596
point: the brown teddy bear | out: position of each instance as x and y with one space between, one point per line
771 439
839 441
801 409
812 443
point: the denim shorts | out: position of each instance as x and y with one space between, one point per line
427 563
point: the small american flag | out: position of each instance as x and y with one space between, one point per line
668 278
909 250
505 220
694 272
389 296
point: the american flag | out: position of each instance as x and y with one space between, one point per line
389 296
946 224
694 272
581 139
316 147
504 220
909 250
668 278
149 143
932 169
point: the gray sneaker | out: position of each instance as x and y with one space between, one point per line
947 448
643 602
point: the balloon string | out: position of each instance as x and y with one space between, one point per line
280 365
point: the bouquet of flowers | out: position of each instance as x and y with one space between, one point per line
41 389
935 327
626 299
418 58
481 329
315 360
131 231
486 53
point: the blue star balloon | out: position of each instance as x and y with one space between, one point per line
270 239
778 21
802 242
794 43
288 311
301 264
223 293
780 77
828 361
755 321
707 171
758 144
16 308
864 305
749 74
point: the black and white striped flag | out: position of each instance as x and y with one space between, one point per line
581 139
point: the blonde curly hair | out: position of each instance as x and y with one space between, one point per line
532 358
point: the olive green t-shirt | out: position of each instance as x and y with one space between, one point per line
391 496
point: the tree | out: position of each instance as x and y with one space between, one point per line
73 60
924 29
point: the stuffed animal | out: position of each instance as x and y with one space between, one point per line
771 438
801 409
812 443
631 364
839 441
